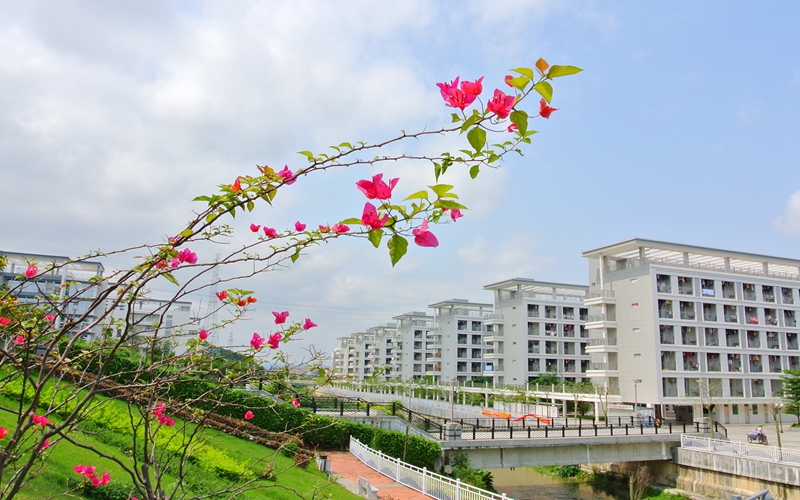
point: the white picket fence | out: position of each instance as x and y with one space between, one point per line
737 448
421 479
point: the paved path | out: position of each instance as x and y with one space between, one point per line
348 467
790 438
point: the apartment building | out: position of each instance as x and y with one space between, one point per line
374 352
536 327
680 327
418 336
68 283
171 321
457 344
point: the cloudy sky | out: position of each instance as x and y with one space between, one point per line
683 128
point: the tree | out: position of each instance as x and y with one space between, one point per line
790 380
60 383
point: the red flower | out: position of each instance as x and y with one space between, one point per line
370 217
19 340
299 226
472 88
45 445
295 403
508 80
40 420
241 303
222 295
324 229
236 185
257 341
280 317
31 271
187 256
274 340
3 432
377 188
308 324
456 214
203 334
251 300
423 237
270 232
255 227
513 127
4 321
501 104
248 415
544 109
340 228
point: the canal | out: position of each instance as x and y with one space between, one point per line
526 484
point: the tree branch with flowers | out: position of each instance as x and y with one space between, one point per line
58 382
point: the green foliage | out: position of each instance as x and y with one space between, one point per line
568 471
462 469
111 491
790 380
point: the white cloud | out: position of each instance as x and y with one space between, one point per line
789 221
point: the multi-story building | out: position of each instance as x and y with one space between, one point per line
457 347
537 328
374 352
171 321
417 336
68 284
685 328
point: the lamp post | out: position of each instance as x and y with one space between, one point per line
636 383
452 397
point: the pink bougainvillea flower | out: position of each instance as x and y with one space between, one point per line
248 415
288 175
280 317
544 110
299 226
257 341
501 104
40 420
447 88
295 403
163 419
459 99
187 256
270 232
508 80
4 321
222 295
274 340
423 237
456 214
324 229
160 264
513 127
308 324
45 445
50 317
473 88
174 262
236 186
255 227
340 228
251 299
31 271
370 217
19 340
203 335
376 188
3 432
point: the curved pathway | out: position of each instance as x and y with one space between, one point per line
345 465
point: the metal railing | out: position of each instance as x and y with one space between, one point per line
737 448
420 479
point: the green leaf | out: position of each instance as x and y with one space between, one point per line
520 82
307 154
351 221
419 195
524 71
210 217
171 278
545 90
437 171
346 145
375 237
295 256
441 189
186 233
250 206
398 246
202 198
456 118
448 204
477 138
520 119
556 71
474 171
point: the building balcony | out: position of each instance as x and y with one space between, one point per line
601 321
602 370
494 355
492 319
493 337
599 298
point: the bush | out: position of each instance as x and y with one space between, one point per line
111 491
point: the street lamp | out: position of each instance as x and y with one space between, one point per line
452 397
636 383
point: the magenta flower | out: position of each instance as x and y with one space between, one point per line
187 256
473 88
203 335
288 175
40 420
513 127
377 188
324 229
340 228
447 88
299 226
45 445
274 340
508 80
248 415
4 321
3 432
50 317
308 324
280 317
456 214
161 417
545 110
370 217
501 104
257 341
423 237
295 403
174 262
31 271
270 232
19 340
255 227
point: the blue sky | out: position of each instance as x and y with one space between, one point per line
683 128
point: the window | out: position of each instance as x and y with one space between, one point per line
707 288
635 305
755 408
663 283
735 409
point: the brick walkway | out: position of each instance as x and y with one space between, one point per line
347 466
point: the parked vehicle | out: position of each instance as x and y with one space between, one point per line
757 436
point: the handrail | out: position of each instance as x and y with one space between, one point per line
738 448
420 479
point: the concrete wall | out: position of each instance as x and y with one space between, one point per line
392 424
720 476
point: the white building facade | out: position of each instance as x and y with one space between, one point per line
457 343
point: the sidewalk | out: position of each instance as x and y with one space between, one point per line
348 467
790 438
